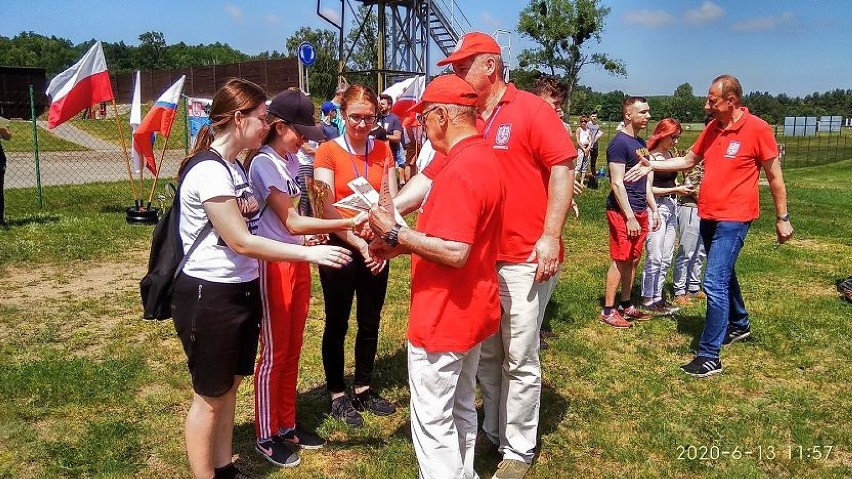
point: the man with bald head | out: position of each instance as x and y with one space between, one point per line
735 146
536 158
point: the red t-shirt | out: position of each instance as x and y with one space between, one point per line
528 139
733 158
454 309
347 166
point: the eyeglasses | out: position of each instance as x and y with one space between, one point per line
421 118
357 119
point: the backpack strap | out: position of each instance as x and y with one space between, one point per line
205 230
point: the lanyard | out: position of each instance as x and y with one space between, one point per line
352 152
491 121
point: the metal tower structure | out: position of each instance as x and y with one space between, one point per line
407 32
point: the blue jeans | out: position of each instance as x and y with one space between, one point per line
723 241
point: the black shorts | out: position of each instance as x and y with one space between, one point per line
218 325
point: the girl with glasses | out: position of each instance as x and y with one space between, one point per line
354 154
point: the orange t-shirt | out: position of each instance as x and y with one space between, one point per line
346 165
528 139
733 158
454 309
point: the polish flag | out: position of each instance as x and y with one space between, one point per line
159 119
135 120
79 87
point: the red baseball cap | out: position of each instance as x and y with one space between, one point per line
447 89
471 44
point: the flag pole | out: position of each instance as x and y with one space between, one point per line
159 169
124 147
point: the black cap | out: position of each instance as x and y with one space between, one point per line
295 108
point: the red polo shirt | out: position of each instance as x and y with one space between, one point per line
733 158
528 139
454 309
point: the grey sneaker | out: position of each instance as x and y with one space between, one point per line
341 409
511 469
370 400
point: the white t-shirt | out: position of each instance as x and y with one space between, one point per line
268 169
213 260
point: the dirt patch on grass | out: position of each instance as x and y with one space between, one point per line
37 286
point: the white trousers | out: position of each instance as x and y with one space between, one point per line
659 247
509 368
690 254
443 411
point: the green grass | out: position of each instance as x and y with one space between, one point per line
89 390
22 140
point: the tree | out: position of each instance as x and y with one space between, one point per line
684 105
323 73
561 28
150 55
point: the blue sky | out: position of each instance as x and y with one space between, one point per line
781 46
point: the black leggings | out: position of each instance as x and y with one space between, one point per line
339 287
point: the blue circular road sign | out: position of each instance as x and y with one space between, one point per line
307 54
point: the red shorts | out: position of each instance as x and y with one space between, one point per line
622 247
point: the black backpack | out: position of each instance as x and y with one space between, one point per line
167 258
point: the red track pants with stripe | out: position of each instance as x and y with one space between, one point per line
286 292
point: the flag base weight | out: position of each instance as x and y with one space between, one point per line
137 215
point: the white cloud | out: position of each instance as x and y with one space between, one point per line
648 18
234 11
707 12
762 24
271 19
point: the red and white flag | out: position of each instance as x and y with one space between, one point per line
159 119
406 94
79 87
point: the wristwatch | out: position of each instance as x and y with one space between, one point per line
785 217
392 236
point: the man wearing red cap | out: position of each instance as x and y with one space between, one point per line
536 159
455 303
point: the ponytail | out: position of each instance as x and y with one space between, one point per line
202 143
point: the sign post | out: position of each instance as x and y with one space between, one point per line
307 56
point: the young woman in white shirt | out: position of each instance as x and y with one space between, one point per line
216 299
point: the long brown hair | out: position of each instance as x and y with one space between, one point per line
236 95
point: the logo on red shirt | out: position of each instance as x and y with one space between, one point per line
504 131
733 148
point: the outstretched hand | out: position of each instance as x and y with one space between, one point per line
639 171
332 256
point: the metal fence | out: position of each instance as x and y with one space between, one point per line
43 164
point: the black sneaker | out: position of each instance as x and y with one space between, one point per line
229 472
341 409
701 367
735 334
304 439
370 400
277 452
